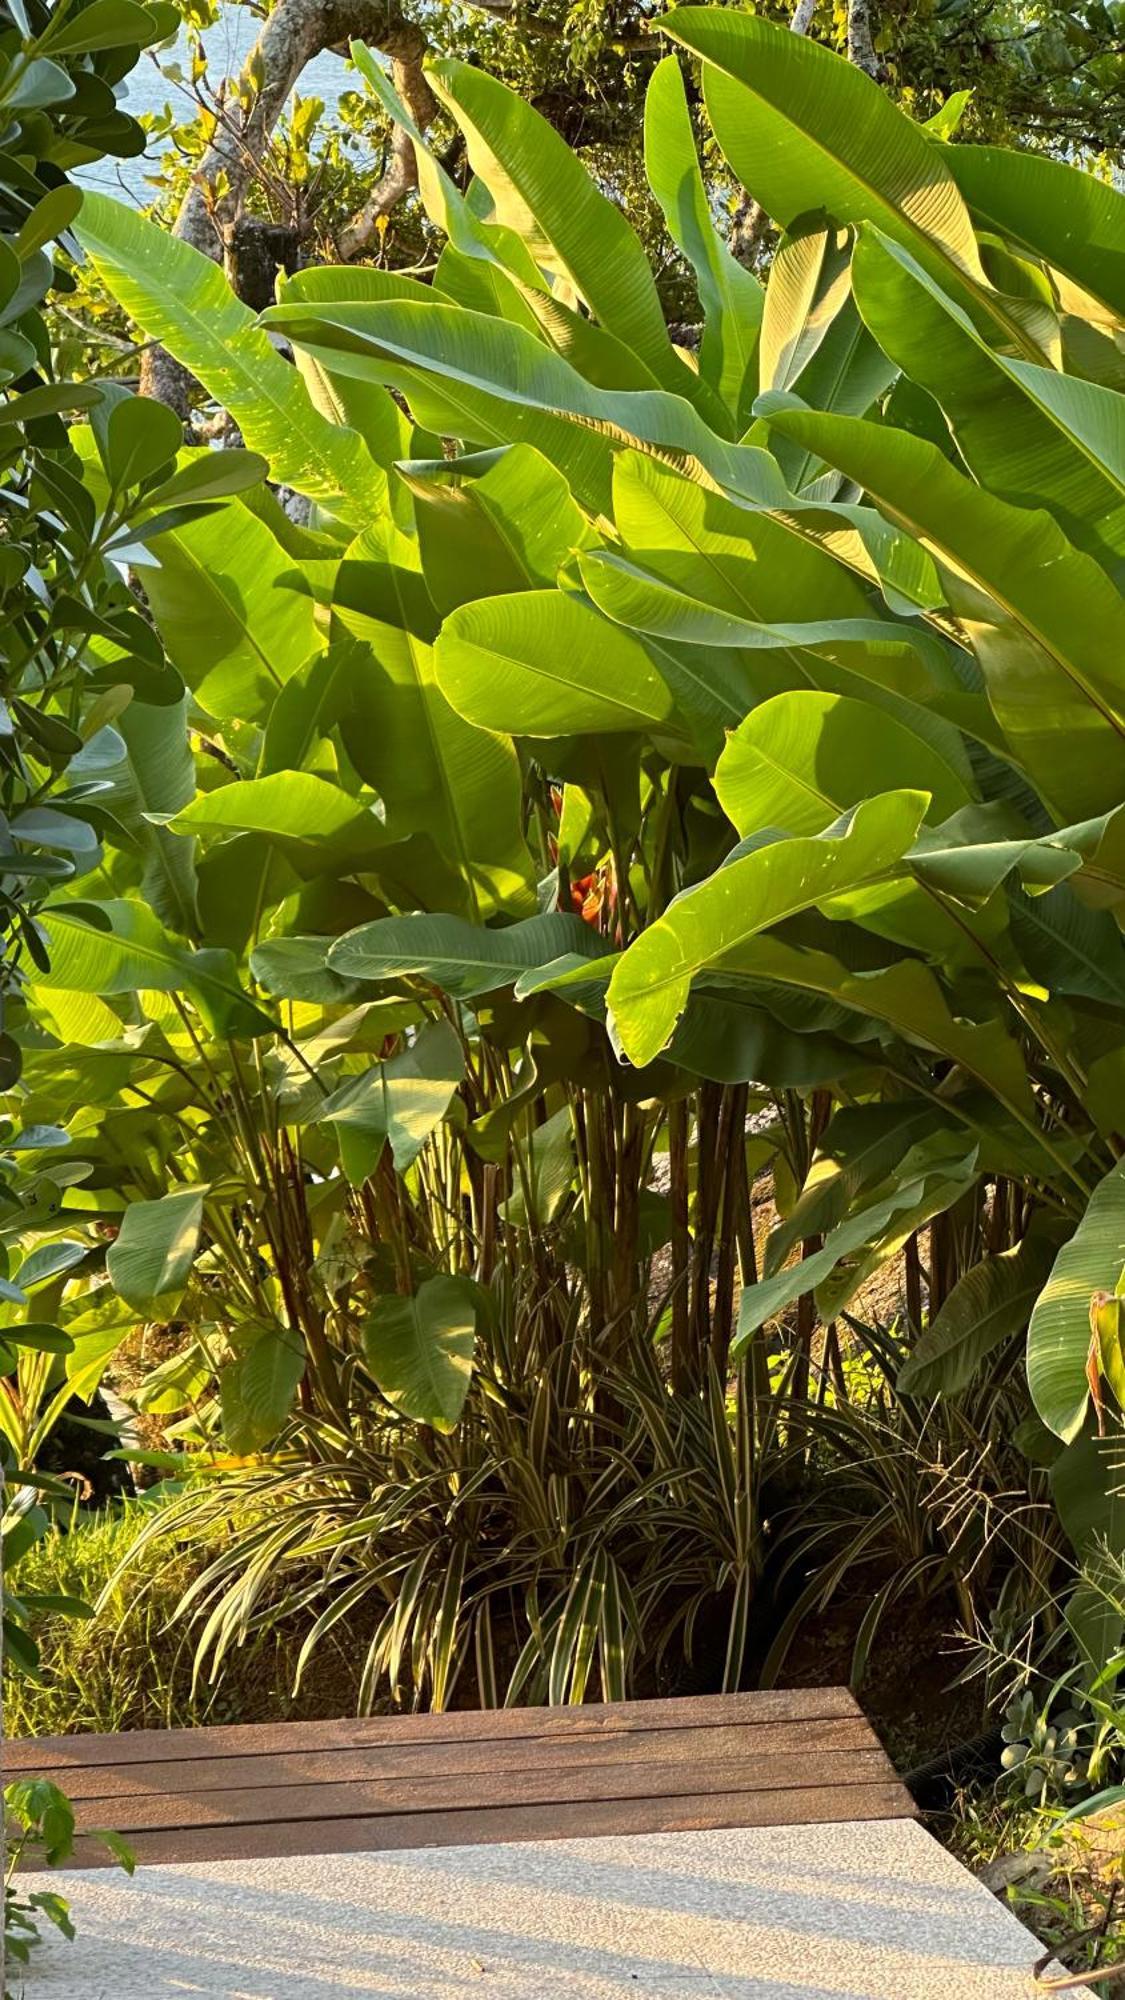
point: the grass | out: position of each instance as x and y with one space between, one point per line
130 1665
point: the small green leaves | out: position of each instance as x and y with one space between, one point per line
136 437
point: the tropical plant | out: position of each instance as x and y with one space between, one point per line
39 1825
578 1528
58 110
521 871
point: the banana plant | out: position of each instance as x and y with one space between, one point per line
655 726
896 555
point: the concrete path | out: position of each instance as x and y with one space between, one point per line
858 1912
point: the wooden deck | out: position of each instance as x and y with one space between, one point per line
770 1759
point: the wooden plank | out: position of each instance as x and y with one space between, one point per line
49 1754
396 1782
481 1791
116 1781
395 1832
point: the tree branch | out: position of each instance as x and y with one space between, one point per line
295 33
401 171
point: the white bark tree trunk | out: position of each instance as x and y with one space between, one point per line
861 45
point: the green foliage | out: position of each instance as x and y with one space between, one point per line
59 583
662 732
39 1826
1048 75
128 1665
575 1530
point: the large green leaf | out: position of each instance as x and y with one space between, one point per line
1044 619
180 298
861 1146
546 1172
298 731
1058 1339
806 133
318 825
151 1257
1028 433
257 1389
726 1038
800 760
986 1307
420 1350
814 344
938 1192
399 1102
543 663
1085 1483
755 565
157 776
633 596
488 267
758 568
541 191
227 607
490 382
713 924
120 947
730 295
980 847
809 281
437 773
906 997
1061 213
497 522
366 407
933 1173
1069 947
498 253
463 959
97 1333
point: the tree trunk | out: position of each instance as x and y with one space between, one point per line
861 46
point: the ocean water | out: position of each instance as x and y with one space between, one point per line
147 90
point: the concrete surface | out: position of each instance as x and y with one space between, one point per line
857 1912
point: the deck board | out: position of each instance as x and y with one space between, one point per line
395 1782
